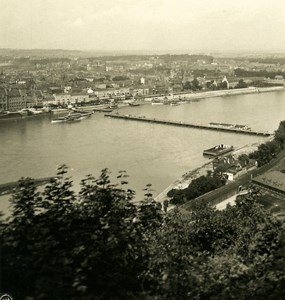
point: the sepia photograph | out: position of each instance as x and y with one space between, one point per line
142 150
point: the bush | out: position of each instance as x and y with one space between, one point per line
196 188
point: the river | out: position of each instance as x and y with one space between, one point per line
150 153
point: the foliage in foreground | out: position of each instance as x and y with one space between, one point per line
100 245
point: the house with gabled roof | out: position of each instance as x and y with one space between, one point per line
232 167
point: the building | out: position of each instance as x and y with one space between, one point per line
273 181
35 98
3 99
139 92
232 167
278 80
66 99
119 93
16 100
226 82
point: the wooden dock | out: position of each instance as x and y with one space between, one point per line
190 125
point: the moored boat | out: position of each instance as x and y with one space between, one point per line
174 103
218 150
134 104
57 111
59 120
85 115
103 109
156 101
232 126
72 117
10 115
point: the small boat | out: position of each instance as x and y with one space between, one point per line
59 120
134 104
85 115
173 103
57 111
74 115
156 102
113 106
218 150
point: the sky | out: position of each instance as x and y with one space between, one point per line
164 25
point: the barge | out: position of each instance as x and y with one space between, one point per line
233 126
218 150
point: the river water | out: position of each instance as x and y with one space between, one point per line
150 153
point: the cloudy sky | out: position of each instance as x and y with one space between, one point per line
204 25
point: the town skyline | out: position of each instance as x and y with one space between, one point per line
162 26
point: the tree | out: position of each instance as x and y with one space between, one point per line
223 85
266 152
76 246
230 254
280 134
187 85
195 85
244 158
99 244
241 84
196 188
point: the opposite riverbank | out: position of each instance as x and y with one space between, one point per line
219 93
232 92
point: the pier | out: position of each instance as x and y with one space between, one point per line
186 124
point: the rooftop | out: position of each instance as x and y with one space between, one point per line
273 179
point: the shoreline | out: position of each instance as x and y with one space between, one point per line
219 93
233 92
189 95
187 178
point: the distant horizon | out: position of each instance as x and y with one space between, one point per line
256 26
152 52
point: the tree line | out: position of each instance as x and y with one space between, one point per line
269 150
239 72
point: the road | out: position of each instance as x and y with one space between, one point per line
223 205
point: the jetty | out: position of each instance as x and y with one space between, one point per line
189 125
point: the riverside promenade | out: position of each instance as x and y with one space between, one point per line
190 125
